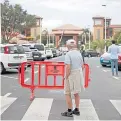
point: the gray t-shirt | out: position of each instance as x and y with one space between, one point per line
74 58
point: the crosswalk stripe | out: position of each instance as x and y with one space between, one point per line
39 109
87 111
117 105
5 103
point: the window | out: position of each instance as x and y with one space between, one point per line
26 49
16 49
97 22
39 47
20 49
1 50
98 34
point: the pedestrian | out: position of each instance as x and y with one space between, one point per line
74 79
83 53
114 51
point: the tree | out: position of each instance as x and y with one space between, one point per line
14 19
117 37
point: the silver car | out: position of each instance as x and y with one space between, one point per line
28 53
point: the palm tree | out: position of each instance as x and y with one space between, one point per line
98 45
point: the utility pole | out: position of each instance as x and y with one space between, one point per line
105 26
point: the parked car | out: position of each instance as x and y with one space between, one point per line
28 53
39 47
12 55
119 61
37 56
91 53
48 53
54 52
105 59
58 53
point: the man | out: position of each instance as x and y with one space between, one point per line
114 51
74 80
83 53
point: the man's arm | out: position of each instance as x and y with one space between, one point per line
68 66
68 70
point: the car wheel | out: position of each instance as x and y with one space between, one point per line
2 69
19 69
104 65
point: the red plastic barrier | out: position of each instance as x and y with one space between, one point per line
87 74
51 69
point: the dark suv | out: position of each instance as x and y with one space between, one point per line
91 53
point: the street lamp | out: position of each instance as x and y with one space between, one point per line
89 36
105 27
40 30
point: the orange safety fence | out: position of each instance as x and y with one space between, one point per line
51 69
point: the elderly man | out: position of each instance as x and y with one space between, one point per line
74 81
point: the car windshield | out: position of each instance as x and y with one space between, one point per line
54 51
39 47
16 49
27 49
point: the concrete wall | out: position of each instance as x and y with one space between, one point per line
35 31
101 29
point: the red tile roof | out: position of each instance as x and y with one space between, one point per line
115 26
100 17
68 27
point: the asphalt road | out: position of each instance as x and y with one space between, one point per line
100 101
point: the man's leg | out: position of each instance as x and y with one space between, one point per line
116 66
77 100
112 66
68 113
69 102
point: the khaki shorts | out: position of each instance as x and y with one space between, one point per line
74 84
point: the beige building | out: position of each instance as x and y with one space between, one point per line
35 31
99 28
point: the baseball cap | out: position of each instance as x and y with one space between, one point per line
71 42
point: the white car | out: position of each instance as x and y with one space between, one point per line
49 53
11 56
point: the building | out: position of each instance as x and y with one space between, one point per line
35 30
65 32
99 28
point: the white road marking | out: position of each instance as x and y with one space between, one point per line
26 79
9 77
87 111
39 109
56 91
6 95
98 66
116 77
117 105
5 103
106 70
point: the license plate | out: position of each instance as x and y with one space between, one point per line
105 61
36 56
16 57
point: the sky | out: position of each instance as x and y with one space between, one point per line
77 12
